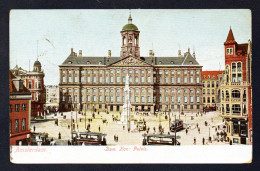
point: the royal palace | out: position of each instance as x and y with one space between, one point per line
156 83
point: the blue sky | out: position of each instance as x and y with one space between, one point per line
97 31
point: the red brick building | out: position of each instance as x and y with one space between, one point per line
236 91
34 82
19 112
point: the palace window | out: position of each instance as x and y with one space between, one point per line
213 91
198 99
198 91
100 99
160 99
123 79
23 124
166 80
106 98
236 109
191 80
178 80
136 71
63 79
117 79
100 79
136 91
191 99
208 91
30 84
75 80
197 80
185 79
185 99
191 72
149 99
142 71
111 72
75 99
166 99
136 99
213 84
213 100
117 99
239 67
149 79
136 79
88 79
191 91
172 79
178 99
82 79
142 99
88 98
94 79
166 72
130 79
208 100
208 84
142 79
117 71
172 98
111 99
204 101
111 79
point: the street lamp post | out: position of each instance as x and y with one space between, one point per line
175 130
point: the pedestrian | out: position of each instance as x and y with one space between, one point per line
230 142
59 135
154 129
68 126
199 130
128 130
69 142
115 137
197 125
168 132
216 129
34 128
79 119
186 131
77 126
73 120
194 141
203 141
99 128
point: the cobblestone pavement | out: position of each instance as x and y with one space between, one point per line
134 137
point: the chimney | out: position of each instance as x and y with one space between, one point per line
151 54
189 50
71 50
109 53
80 53
194 56
179 53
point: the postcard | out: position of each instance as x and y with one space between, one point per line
130 86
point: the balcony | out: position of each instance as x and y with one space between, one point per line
244 83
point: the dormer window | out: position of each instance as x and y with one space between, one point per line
191 62
229 51
88 62
100 62
208 76
69 62
160 62
172 62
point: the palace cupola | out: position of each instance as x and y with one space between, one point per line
37 67
130 40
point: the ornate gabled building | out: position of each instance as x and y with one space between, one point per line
156 83
33 81
236 91
211 89
19 112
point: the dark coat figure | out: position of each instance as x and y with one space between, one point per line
80 119
197 125
128 129
203 141
77 126
34 128
68 126
51 139
216 129
199 130
186 131
205 123
123 127
168 133
73 120
99 128
230 142
69 143
59 135
209 139
194 141
114 137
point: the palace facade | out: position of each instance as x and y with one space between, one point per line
156 83
236 91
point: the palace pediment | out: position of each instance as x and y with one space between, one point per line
130 61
